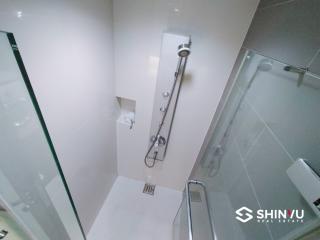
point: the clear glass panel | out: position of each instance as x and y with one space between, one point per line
270 119
201 224
31 187
9 229
180 224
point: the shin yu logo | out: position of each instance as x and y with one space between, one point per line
244 214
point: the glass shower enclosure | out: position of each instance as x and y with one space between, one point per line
33 190
269 118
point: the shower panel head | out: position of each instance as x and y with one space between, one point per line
184 50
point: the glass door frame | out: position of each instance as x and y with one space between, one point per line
36 106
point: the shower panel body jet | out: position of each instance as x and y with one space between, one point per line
161 132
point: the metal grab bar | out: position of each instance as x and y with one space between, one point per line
189 207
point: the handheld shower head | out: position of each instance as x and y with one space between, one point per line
184 50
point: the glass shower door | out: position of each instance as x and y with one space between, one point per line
32 187
193 220
269 120
10 229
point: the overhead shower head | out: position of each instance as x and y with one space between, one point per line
265 65
184 50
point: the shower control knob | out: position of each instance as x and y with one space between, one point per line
153 138
162 141
165 94
162 109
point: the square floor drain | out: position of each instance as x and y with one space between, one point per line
149 189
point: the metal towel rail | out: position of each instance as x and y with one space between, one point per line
196 182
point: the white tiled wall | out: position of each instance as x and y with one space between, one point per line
217 29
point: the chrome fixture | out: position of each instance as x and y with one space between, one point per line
166 94
158 141
184 50
189 211
163 109
265 65
3 234
131 123
300 71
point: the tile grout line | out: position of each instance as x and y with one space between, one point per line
313 58
277 4
251 183
272 133
253 143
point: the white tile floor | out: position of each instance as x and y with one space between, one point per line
128 214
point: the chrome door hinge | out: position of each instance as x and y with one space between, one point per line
14 47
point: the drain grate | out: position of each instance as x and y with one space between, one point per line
149 189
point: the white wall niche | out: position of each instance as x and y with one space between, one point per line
127 112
